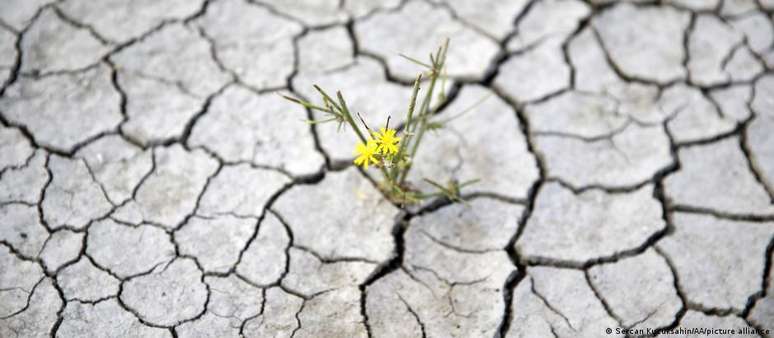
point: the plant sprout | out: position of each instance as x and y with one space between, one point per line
392 150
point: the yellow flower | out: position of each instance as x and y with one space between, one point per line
366 153
387 142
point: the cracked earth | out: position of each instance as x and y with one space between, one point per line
153 183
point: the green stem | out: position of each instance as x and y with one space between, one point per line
438 66
423 112
349 118
359 133
409 120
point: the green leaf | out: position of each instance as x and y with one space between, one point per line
305 104
451 192
292 99
467 183
435 126
321 121
413 60
327 97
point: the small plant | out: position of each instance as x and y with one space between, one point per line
392 150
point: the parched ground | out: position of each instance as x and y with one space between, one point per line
153 183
